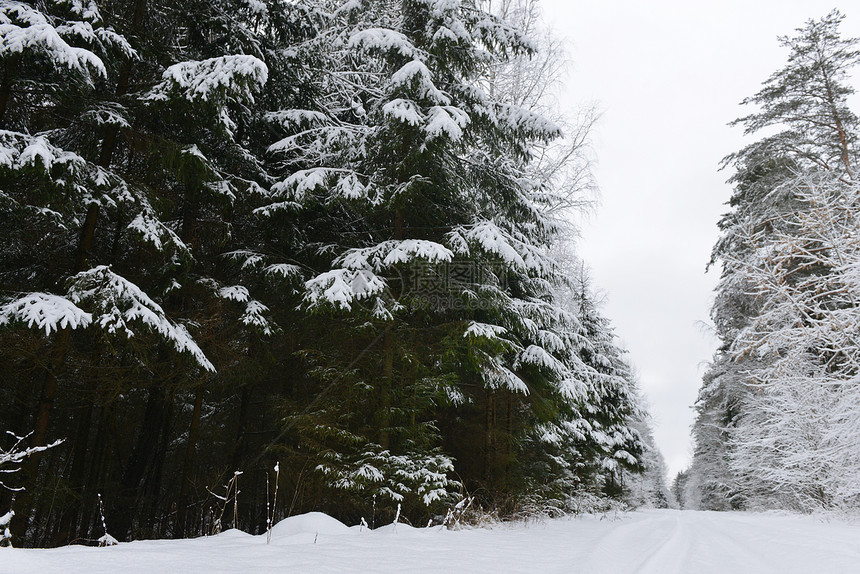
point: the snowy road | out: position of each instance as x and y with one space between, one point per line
654 541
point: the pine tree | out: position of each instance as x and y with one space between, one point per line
793 444
807 99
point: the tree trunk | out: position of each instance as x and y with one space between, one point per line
147 442
188 465
840 127
385 389
68 528
95 479
244 410
388 344
490 438
152 484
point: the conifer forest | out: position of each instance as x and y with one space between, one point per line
260 258
320 235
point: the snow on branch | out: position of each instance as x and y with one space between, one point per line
404 111
248 259
497 376
441 8
25 30
340 183
522 120
237 293
44 311
383 39
539 357
574 389
19 151
484 331
254 261
416 74
299 184
151 230
80 180
295 117
283 270
107 114
390 475
342 287
13 456
394 252
515 253
255 317
120 304
215 79
255 314
498 33
446 120
101 37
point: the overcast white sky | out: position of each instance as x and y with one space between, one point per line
668 76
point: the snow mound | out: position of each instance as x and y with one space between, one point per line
399 528
310 523
233 533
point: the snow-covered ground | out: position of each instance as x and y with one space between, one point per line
658 541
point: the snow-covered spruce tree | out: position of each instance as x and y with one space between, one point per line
389 163
561 168
807 100
649 489
429 244
590 438
679 489
613 410
121 160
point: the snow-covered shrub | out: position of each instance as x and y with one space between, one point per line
423 478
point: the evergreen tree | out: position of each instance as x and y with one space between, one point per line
807 100
793 444
113 167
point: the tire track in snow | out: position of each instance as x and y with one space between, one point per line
672 554
746 545
652 545
727 552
